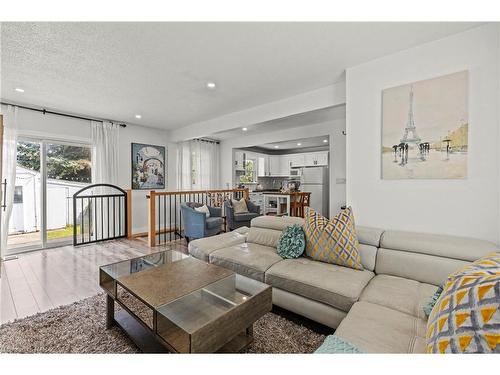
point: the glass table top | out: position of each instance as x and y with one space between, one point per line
194 310
128 267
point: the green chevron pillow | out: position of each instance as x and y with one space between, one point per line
292 242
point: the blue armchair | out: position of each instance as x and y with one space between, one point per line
196 224
239 220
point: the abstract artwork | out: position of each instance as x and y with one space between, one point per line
148 166
425 129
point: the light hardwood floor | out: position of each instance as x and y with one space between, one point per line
42 280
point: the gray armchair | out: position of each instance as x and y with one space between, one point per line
196 224
240 220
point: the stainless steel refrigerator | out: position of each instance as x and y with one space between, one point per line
316 181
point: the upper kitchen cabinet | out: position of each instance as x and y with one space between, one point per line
263 165
315 159
239 161
296 160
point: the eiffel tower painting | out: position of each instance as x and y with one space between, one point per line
425 129
410 125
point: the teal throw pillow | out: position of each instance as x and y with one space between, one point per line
292 242
430 305
336 345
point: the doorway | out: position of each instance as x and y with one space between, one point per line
48 173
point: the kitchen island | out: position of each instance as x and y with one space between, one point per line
294 203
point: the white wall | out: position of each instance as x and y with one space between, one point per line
35 124
337 153
458 207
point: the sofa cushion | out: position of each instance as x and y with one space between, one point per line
369 236
378 329
368 255
333 285
422 267
332 241
247 216
202 247
214 222
264 237
251 260
276 222
404 295
462 248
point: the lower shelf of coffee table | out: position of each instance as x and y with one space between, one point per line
147 342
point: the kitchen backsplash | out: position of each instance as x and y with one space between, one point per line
267 183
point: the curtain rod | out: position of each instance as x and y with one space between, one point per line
207 140
46 111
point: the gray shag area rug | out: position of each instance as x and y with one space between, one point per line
81 328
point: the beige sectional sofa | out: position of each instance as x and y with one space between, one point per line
378 309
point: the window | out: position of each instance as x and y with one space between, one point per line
249 175
18 194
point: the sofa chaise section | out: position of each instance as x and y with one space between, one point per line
378 329
336 286
203 247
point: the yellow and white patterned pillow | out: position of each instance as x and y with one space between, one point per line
466 317
332 241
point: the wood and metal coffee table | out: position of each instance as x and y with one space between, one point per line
172 302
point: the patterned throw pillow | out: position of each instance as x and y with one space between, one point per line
292 242
240 207
466 317
332 241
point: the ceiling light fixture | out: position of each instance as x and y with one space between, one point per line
325 140
244 129
299 144
211 85
18 89
138 116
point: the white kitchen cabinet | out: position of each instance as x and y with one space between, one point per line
263 165
274 165
315 159
239 161
296 160
322 158
285 165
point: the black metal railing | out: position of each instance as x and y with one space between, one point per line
99 214
165 217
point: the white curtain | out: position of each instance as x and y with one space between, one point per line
105 152
198 165
9 161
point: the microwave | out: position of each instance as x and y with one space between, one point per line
295 172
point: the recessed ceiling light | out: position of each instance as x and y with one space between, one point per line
244 129
18 89
138 116
325 140
299 144
276 146
211 85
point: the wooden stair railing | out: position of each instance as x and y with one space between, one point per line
164 210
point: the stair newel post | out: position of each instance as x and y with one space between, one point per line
151 219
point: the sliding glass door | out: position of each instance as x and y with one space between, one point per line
48 173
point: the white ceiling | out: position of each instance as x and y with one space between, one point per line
159 70
305 143
303 119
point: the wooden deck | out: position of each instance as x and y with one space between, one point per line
42 280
